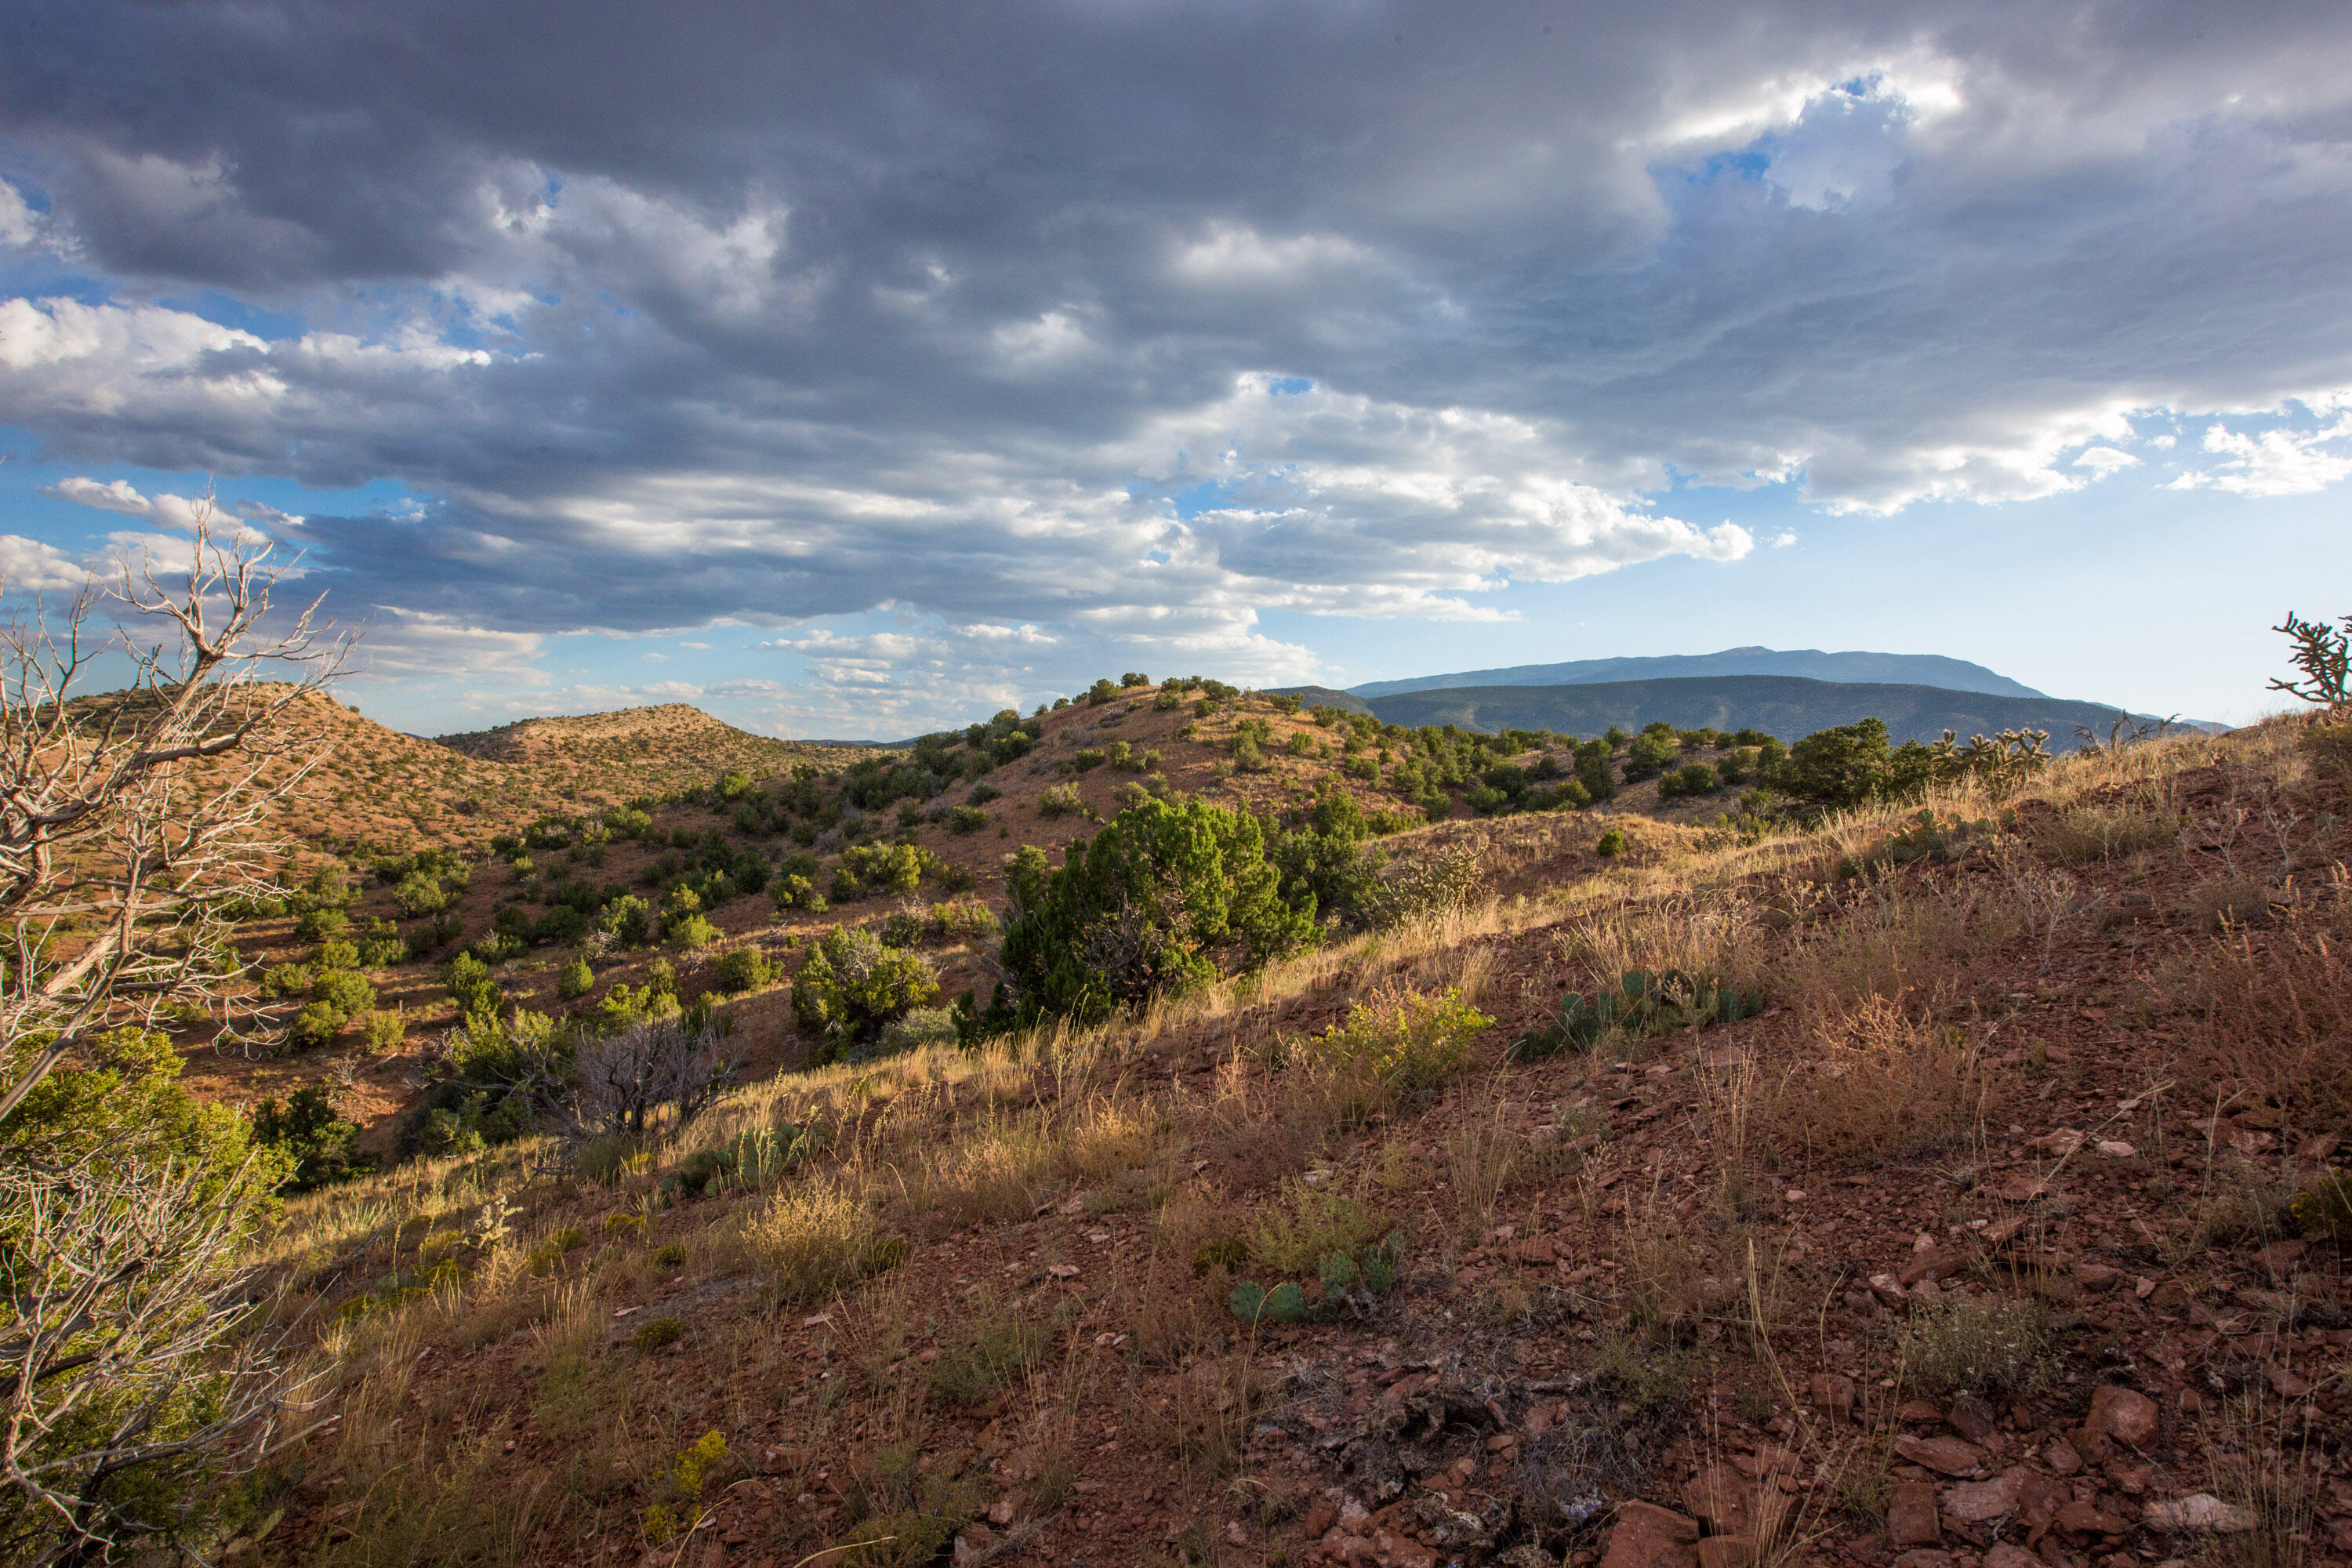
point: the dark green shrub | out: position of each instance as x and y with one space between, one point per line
1612 843
576 979
851 985
318 1025
629 919
1163 896
419 895
1086 758
1689 780
1654 749
657 1332
745 969
966 819
1593 770
315 1142
343 991
322 924
845 889
692 932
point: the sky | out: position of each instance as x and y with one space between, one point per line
859 369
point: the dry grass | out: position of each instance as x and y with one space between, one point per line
815 1241
1884 1086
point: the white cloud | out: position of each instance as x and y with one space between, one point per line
2278 462
2105 460
29 565
20 225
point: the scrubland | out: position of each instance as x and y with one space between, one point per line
2004 1223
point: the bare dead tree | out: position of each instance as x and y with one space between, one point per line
127 1345
626 1079
130 821
130 824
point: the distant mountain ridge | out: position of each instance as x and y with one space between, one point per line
1788 706
1811 664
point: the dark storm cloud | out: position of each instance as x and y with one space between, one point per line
770 313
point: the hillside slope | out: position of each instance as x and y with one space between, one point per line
644 750
1786 705
1812 664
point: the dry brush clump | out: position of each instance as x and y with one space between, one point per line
1881 1084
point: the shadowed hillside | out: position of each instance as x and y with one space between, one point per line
1811 664
1781 705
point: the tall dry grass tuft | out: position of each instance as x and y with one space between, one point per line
817 1240
1883 1086
2272 1008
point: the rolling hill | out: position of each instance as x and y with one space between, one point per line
1786 706
1811 664
644 750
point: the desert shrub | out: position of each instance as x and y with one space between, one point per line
1654 749
1409 1041
627 1081
966 819
343 991
1088 758
468 980
852 986
321 925
576 979
956 877
1691 779
652 1335
1976 1344
1061 800
845 889
917 1027
745 969
954 920
1159 899
886 868
629 919
692 932
116 1105
1612 843
1326 869
2323 1209
418 895
1100 692
816 1240
339 956
1169 700
382 1032
314 1141
1439 882
286 980
318 1025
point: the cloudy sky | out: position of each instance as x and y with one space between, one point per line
854 370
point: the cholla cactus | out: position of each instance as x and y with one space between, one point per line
2323 651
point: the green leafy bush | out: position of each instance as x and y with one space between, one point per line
851 986
343 991
966 819
418 895
1613 843
745 969
629 919
1161 898
576 979
1061 800
318 1025
692 932
1689 780
1409 1041
1088 758
315 1142
383 1032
